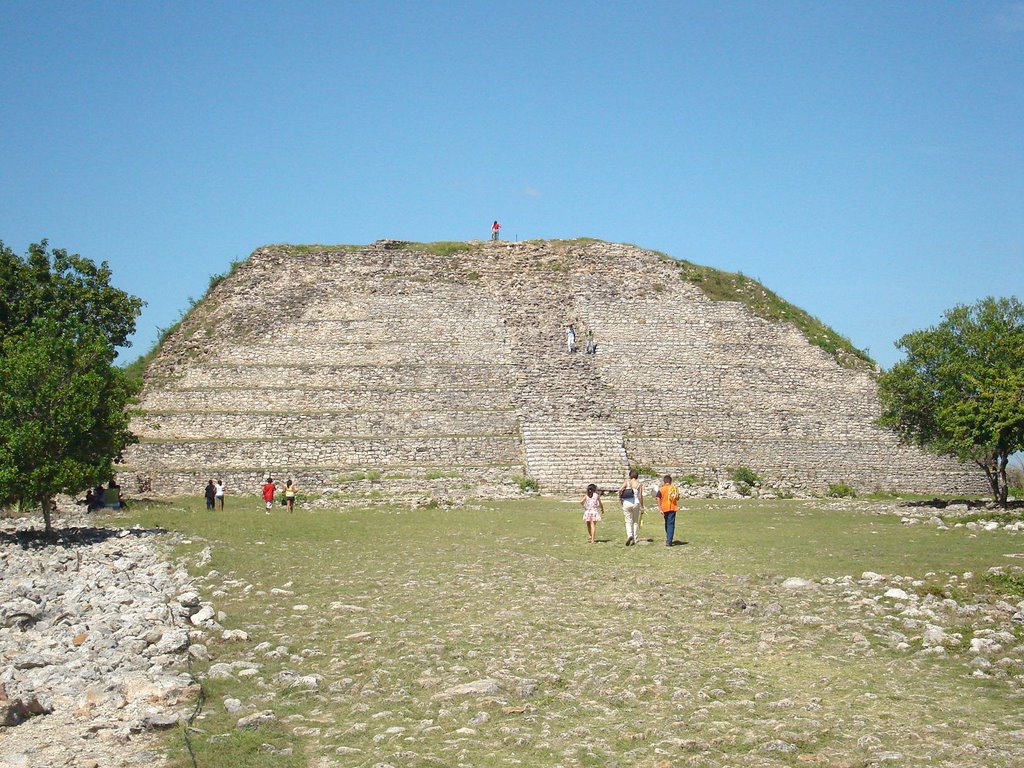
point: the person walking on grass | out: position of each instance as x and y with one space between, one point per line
211 494
269 489
218 494
668 501
289 495
592 511
631 494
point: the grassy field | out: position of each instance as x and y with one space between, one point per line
593 655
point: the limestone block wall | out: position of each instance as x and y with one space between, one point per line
177 425
286 401
319 361
709 388
573 455
409 385
329 452
356 376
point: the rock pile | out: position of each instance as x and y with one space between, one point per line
918 617
93 645
972 515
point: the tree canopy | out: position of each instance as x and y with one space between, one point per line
960 390
63 403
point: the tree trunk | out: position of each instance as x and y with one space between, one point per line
1004 486
991 474
47 505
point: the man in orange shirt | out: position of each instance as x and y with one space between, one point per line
668 500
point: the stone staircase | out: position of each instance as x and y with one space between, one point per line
571 455
570 438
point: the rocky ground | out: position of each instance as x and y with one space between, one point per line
93 644
429 646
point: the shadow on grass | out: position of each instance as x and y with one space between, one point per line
969 503
71 536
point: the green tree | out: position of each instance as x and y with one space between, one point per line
63 403
960 390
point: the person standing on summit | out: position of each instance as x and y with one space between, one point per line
495 229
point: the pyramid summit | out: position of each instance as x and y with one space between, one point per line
446 365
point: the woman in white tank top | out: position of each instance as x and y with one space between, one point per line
631 493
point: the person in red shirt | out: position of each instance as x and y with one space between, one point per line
495 229
269 489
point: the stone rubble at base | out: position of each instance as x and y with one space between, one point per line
94 635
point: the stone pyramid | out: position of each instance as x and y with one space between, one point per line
444 366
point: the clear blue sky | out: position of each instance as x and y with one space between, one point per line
865 160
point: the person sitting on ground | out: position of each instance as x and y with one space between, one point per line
96 500
112 496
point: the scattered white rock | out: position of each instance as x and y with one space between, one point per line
172 641
985 645
256 720
233 706
485 687
795 582
935 635
201 616
219 671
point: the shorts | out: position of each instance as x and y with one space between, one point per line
270 503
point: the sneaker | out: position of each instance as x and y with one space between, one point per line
629 541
